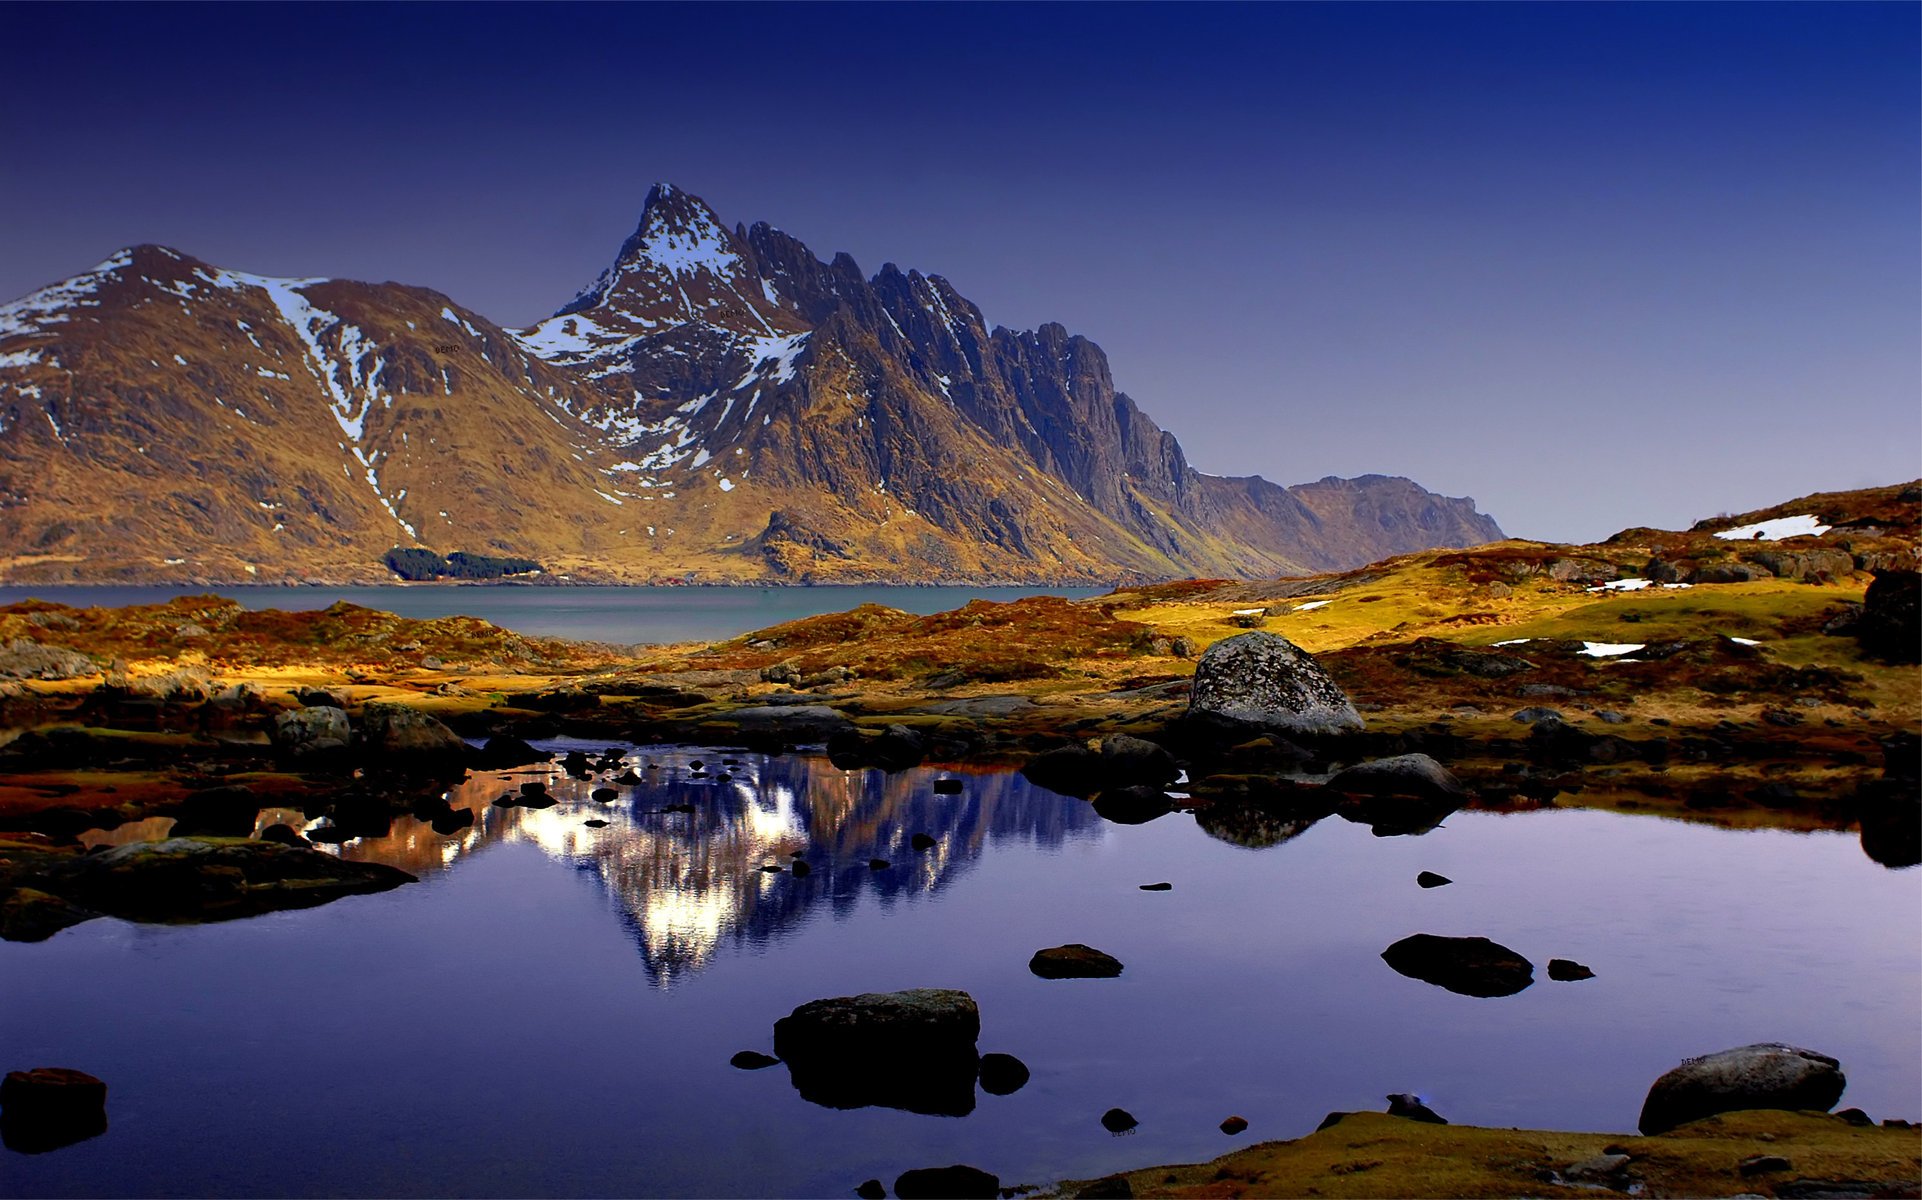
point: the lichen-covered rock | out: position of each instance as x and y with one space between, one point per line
1264 680
397 731
23 658
1764 1075
306 732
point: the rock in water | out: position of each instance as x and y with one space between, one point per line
316 730
1234 1125
1074 961
751 1060
1567 970
1403 775
1118 1120
1890 626
1002 1074
1467 966
947 1183
399 732
1138 762
912 1050
1765 1075
1263 680
1429 879
871 1189
50 1107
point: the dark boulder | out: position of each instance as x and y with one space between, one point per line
312 732
872 1189
957 1182
1074 961
31 915
1069 770
947 787
187 879
402 735
912 1050
1118 1120
752 1060
1114 1187
1467 966
1564 970
1415 775
50 1107
1264 681
898 748
1132 805
1429 879
227 811
1401 1104
1002 1074
1234 1125
1765 1075
1890 626
504 751
1137 762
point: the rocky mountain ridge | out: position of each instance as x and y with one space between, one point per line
718 406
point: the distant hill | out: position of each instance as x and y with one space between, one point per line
718 406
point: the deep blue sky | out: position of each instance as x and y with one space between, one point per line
1594 265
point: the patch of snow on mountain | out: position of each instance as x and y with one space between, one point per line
1775 530
448 314
47 306
727 485
1623 585
1312 605
775 354
19 358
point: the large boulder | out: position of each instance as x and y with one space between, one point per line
1765 1075
957 1182
1467 966
1137 762
912 1050
1415 775
396 731
1890 626
310 732
1074 961
50 1107
23 658
1265 681
193 879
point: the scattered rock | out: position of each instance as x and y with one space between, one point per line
1002 1074
1234 1125
1415 775
595 823
801 869
1762 1164
752 1060
1564 970
1114 1187
191 879
1157 887
922 841
911 1050
947 787
23 658
1118 1120
1401 1104
1856 1116
49 1107
1534 715
1601 1170
1467 966
1074 961
1609 716
1264 680
957 1182
877 864
872 1190
1764 1075
1429 879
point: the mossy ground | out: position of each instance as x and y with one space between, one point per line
1376 1155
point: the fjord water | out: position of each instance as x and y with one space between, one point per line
551 1010
621 615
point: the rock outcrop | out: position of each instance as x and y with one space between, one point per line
1266 682
1765 1075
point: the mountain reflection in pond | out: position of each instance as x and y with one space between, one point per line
554 1008
687 882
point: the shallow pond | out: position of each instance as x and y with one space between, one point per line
552 1009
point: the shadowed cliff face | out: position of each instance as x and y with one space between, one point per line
719 404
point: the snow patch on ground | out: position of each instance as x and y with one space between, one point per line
1775 530
1624 585
1743 641
1611 649
1312 605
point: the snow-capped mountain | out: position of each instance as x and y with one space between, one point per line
718 405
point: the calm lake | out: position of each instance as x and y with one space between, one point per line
551 1010
623 615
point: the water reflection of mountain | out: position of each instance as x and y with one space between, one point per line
686 882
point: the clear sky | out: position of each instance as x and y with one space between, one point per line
1595 265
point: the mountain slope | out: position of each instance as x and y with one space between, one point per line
718 405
